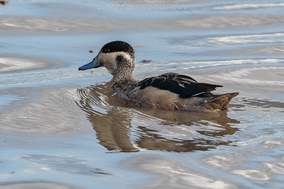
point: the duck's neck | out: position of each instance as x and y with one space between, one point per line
122 76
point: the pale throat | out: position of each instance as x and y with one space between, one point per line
122 76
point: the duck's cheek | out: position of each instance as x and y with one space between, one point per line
108 60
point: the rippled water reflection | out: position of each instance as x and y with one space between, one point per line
127 129
61 128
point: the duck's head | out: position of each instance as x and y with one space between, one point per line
116 56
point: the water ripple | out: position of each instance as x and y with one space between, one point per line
127 128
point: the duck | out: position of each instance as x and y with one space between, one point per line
171 91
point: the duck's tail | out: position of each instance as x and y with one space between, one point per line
219 102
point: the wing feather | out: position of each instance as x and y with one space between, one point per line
182 85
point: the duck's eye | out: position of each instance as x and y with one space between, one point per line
106 50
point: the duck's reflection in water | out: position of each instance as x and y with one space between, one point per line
131 129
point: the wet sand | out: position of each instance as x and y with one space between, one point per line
59 26
61 128
15 63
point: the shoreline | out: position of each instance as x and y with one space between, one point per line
13 63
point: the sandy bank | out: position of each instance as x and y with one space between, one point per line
50 26
16 63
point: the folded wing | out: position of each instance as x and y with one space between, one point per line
182 85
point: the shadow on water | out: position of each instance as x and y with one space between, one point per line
130 129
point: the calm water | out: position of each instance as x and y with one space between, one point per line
61 128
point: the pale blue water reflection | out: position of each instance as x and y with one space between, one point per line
66 129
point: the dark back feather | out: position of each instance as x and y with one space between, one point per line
182 85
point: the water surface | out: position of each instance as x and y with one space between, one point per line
61 128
